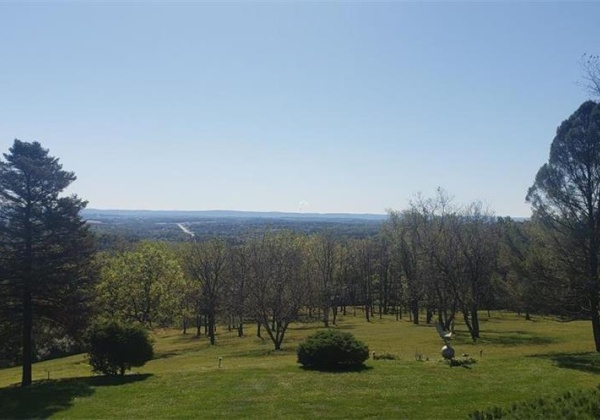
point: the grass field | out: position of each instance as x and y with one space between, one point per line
520 360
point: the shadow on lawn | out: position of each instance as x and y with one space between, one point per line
586 362
268 351
515 338
189 338
44 398
339 369
306 326
167 354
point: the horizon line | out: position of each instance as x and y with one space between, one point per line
262 211
229 210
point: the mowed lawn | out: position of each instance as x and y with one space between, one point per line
520 360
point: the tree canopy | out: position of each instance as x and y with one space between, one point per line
566 199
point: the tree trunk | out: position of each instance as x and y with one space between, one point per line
27 300
335 313
211 328
468 324
593 293
595 320
475 322
429 316
449 319
414 309
280 334
326 316
27 337
241 327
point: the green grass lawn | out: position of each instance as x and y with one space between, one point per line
520 360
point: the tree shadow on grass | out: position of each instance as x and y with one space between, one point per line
337 369
44 398
167 354
585 362
262 352
515 338
345 327
307 326
189 338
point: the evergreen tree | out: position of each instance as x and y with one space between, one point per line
45 250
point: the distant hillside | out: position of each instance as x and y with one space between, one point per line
98 214
134 225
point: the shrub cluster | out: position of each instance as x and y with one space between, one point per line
384 356
114 348
467 361
332 349
579 404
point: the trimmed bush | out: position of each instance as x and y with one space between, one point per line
114 348
332 349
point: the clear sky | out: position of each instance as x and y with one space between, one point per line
276 106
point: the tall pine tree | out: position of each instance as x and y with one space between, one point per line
45 251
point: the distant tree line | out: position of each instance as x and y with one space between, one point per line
435 260
121 232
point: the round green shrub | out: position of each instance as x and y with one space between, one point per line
332 349
114 348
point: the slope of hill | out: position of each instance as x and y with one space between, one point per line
516 360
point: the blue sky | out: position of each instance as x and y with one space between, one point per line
345 107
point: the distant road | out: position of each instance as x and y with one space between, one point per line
186 230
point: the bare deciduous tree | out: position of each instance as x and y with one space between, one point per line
324 255
590 66
206 263
277 282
